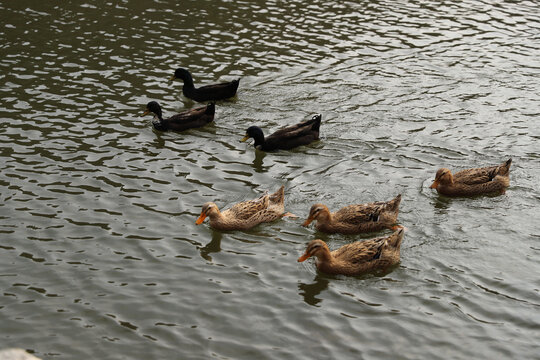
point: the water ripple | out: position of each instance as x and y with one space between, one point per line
98 209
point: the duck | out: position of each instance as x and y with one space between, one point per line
189 119
355 219
358 257
287 138
470 182
246 214
205 93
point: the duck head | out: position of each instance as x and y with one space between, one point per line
316 248
317 212
256 133
444 177
153 107
182 74
209 209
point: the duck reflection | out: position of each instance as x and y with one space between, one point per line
213 246
258 161
310 291
441 205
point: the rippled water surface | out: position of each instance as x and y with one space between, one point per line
100 254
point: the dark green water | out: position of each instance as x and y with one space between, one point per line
100 254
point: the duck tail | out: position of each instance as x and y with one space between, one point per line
210 108
396 238
235 84
394 203
316 121
279 196
504 169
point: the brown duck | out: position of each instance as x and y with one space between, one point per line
358 257
246 214
492 179
355 219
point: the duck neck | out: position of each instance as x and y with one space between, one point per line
158 118
188 81
324 257
216 218
325 218
259 140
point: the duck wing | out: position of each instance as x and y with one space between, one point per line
299 129
246 209
362 213
193 118
216 91
482 175
360 251
295 135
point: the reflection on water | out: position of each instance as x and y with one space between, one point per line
258 161
310 291
99 247
213 246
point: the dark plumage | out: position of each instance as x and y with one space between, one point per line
189 119
286 138
208 92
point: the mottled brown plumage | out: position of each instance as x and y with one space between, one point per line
357 257
355 219
486 180
246 214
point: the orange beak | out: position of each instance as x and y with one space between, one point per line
200 219
145 113
172 78
434 185
397 227
307 222
304 257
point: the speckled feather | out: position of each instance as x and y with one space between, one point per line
492 179
359 218
358 257
247 214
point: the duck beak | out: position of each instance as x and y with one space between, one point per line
307 222
303 257
200 219
145 113
399 227
434 185
172 78
245 138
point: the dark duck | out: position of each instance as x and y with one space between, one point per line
189 119
287 138
205 93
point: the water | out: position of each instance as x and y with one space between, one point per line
100 254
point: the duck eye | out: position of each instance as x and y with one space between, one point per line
314 248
